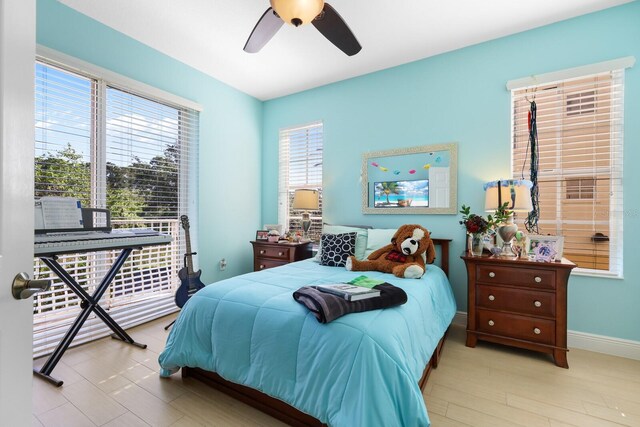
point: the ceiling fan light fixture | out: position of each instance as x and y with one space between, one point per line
297 12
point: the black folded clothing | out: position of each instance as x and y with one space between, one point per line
327 307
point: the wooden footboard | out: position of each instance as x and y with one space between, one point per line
275 407
263 402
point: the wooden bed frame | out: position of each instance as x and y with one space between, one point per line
285 412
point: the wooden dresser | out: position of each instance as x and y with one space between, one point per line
518 303
268 255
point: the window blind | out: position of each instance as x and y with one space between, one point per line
580 140
133 154
300 166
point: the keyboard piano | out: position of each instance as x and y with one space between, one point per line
62 227
92 241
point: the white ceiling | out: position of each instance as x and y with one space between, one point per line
209 35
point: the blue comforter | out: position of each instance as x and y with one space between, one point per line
359 370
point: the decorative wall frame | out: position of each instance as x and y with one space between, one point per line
416 180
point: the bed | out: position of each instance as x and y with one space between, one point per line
248 337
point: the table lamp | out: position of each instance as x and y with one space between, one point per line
305 200
517 195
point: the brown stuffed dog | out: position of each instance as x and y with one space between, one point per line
404 257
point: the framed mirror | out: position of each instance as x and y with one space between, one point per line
416 180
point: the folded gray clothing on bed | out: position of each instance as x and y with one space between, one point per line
327 307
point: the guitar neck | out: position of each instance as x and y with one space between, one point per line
189 257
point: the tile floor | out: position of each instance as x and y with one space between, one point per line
108 383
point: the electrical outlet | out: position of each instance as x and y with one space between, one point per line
223 264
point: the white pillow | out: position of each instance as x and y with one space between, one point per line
377 238
361 238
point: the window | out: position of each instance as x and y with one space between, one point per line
580 188
579 123
300 167
133 154
581 103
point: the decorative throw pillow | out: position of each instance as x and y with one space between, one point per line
361 238
336 248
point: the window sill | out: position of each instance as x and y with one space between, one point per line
596 273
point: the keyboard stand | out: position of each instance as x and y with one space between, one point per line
89 304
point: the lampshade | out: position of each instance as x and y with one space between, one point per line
297 12
306 200
514 192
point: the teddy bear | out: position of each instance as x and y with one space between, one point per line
405 256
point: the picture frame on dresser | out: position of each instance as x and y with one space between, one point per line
262 235
544 248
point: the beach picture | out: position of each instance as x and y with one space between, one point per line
401 194
415 180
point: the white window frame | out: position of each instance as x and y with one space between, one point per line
615 222
284 187
141 309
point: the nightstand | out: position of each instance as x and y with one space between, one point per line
519 303
268 255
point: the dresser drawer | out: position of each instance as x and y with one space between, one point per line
516 326
530 277
523 301
274 252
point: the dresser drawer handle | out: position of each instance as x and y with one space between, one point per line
262 252
492 274
538 279
261 266
280 253
536 331
537 303
491 323
492 298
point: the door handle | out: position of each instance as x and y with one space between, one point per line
23 288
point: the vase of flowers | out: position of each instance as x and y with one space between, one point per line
477 244
476 227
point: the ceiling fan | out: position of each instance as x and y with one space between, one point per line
299 12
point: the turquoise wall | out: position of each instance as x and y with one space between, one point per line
461 96
230 128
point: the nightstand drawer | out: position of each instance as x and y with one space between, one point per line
276 252
269 255
515 326
530 277
263 264
538 303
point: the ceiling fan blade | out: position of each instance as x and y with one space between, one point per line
265 29
333 27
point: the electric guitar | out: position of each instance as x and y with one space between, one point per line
190 282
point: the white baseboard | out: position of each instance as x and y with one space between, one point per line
584 341
603 344
460 319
